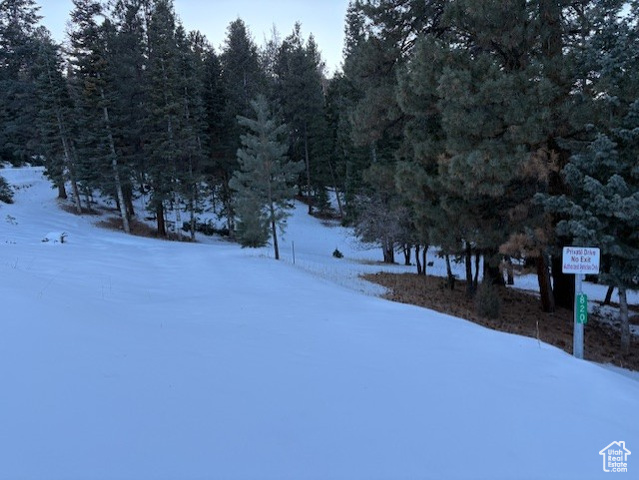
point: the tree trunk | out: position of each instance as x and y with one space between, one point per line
545 290
625 324
307 160
128 200
87 197
388 248
193 195
228 206
424 262
492 272
510 271
337 197
192 214
118 184
406 249
271 207
563 285
276 246
178 219
74 182
468 257
449 274
70 167
62 191
67 153
159 212
418 261
76 194
114 166
608 298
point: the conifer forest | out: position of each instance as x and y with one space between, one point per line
496 131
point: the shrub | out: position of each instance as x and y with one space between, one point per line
6 192
207 228
487 301
338 254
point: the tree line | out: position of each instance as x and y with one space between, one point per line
494 130
135 106
499 129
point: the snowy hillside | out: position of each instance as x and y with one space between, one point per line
130 358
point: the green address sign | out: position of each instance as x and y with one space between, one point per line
582 308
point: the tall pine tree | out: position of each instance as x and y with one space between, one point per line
18 103
91 74
265 183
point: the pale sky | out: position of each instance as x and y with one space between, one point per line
323 18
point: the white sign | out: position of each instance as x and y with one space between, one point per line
581 260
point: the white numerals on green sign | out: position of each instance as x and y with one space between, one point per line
582 308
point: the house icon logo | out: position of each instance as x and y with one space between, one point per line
615 457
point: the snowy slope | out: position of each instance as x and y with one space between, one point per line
132 358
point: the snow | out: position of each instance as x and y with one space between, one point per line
594 292
609 315
55 237
123 357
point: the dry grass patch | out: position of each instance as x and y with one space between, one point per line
70 208
520 314
140 229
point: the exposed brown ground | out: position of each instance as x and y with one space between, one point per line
520 314
70 208
140 229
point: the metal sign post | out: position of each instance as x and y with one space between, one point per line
578 334
580 261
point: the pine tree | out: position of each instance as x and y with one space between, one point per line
242 80
6 193
91 72
380 37
18 51
214 99
164 122
601 207
492 113
128 65
192 49
265 183
299 91
55 110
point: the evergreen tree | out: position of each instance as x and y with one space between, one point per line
382 216
242 80
601 207
192 50
265 183
214 99
164 127
128 65
91 75
18 51
300 94
491 105
6 193
380 36
55 110
343 156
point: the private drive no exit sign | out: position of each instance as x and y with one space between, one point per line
581 260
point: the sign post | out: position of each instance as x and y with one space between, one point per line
580 261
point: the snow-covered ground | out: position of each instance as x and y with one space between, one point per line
130 358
